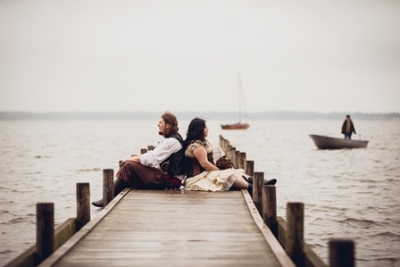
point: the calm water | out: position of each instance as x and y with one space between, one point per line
347 193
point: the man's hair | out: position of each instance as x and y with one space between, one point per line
170 118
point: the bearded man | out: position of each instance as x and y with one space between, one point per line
160 168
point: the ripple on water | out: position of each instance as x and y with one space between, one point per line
88 170
357 223
15 221
387 234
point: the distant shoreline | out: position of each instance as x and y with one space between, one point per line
270 115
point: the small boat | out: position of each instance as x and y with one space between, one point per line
326 142
239 125
236 126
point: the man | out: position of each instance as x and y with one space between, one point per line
348 128
160 168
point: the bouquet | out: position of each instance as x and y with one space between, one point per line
224 163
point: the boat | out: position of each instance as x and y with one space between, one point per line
235 126
239 125
327 142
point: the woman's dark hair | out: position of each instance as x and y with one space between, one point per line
195 131
170 118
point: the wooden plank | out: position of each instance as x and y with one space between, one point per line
61 234
276 248
59 253
173 228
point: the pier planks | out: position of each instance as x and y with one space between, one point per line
172 228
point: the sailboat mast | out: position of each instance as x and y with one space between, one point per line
240 92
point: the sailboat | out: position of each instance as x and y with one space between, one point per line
239 125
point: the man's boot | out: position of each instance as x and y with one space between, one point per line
119 185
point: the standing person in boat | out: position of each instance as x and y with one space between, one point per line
202 173
348 128
160 168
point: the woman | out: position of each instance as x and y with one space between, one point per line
202 173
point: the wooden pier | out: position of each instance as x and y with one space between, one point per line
174 228
180 228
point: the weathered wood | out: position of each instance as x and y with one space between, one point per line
174 228
269 208
82 204
311 258
44 230
108 186
60 252
341 253
295 232
274 244
25 259
258 185
242 160
237 159
232 153
62 233
250 167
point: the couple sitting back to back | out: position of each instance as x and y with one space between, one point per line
189 163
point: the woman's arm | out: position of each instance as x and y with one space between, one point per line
201 155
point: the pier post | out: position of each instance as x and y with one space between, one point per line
341 253
269 208
295 232
108 186
226 144
82 204
232 155
258 185
249 167
237 159
228 151
44 230
242 163
221 142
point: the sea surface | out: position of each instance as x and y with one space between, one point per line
350 193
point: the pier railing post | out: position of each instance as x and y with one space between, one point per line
295 232
232 155
243 160
249 167
258 185
341 253
269 208
44 230
82 204
108 186
237 159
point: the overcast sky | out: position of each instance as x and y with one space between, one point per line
321 55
